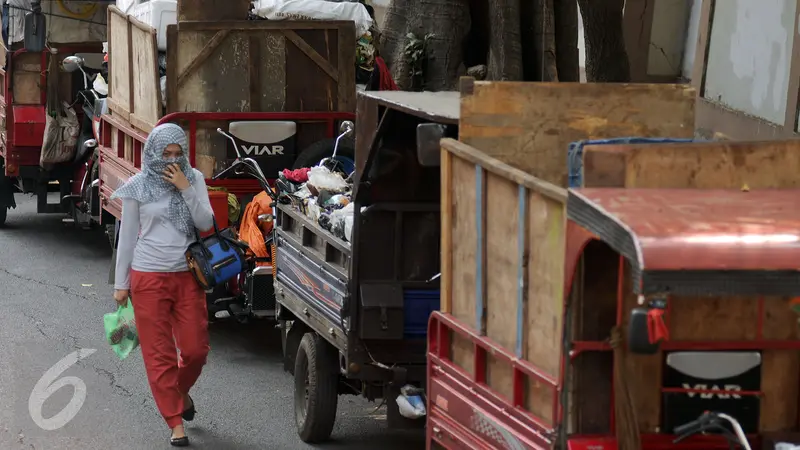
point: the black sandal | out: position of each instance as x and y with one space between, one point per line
179 442
188 413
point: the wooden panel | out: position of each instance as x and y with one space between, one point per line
27 79
503 266
147 105
530 125
255 66
702 165
120 95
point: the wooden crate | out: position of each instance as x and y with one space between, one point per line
530 125
703 165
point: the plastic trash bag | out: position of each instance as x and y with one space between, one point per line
323 179
121 330
410 402
786 446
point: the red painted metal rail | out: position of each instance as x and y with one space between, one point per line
116 169
464 412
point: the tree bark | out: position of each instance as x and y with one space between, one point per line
606 58
505 51
449 22
566 40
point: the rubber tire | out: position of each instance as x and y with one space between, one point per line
315 359
315 152
3 215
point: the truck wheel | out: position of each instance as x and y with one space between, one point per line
315 389
316 152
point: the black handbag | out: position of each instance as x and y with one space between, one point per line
217 258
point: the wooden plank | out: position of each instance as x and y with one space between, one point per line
120 98
259 25
198 60
213 10
172 66
303 46
302 72
347 72
146 86
702 165
530 125
254 54
26 87
446 280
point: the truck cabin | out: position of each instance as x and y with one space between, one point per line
695 288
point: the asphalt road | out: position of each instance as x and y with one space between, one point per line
53 294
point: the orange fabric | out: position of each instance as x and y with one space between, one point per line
250 231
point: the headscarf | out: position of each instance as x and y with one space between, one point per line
149 185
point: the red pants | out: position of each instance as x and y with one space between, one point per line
170 309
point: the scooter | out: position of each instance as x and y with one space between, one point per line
83 204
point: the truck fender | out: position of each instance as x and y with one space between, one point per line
294 334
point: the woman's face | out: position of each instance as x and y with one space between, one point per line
172 151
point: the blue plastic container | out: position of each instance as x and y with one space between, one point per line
575 153
418 306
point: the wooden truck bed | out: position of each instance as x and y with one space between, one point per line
232 67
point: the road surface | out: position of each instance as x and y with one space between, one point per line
53 294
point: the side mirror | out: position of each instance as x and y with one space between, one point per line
646 328
346 128
428 149
72 63
90 143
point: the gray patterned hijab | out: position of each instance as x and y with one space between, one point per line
148 185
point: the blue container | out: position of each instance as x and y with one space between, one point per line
417 308
575 153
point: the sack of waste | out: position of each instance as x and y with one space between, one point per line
121 330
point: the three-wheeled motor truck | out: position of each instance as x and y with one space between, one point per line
29 76
654 313
354 312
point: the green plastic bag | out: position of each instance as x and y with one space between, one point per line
121 330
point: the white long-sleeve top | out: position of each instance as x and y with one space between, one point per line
149 242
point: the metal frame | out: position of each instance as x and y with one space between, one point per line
238 187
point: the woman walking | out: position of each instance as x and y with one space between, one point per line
161 207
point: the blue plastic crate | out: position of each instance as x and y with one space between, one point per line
575 153
418 306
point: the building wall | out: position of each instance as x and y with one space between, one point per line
745 70
749 56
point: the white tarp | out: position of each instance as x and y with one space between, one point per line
314 10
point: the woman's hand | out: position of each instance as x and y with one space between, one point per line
121 296
175 175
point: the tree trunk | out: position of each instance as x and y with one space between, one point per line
447 20
505 45
566 40
531 40
606 58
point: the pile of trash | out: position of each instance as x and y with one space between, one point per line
321 195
